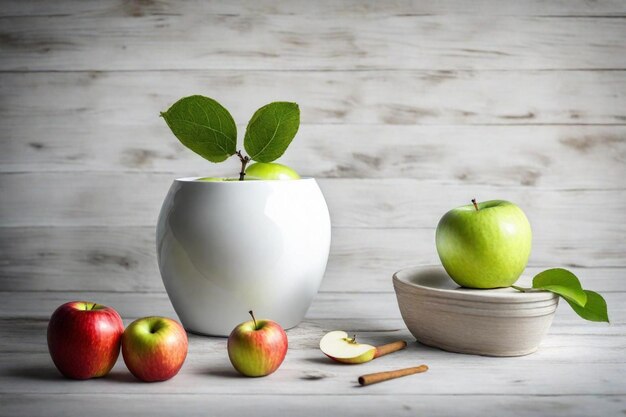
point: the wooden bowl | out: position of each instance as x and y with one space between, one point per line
496 322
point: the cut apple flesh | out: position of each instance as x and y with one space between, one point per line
339 346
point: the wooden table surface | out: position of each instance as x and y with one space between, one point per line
578 370
409 108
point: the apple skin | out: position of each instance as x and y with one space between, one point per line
270 171
365 357
484 248
84 339
257 351
154 348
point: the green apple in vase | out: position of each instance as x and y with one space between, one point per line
84 339
213 179
257 347
261 171
487 244
271 171
268 134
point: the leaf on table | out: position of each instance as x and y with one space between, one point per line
595 308
204 126
562 282
271 130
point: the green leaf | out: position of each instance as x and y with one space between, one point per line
204 126
594 309
562 282
271 130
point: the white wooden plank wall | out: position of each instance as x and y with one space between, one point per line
409 108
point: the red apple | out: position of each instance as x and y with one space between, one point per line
84 339
257 348
154 348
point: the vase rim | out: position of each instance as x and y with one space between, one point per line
250 181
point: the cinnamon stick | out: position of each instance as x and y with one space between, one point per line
388 348
385 376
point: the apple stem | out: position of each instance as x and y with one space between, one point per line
244 161
475 204
254 320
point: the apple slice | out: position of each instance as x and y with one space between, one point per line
338 346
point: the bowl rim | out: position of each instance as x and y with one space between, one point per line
496 295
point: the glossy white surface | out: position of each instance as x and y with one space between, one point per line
225 248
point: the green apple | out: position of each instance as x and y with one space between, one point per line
484 245
270 171
212 179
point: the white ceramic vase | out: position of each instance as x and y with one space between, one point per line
228 247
